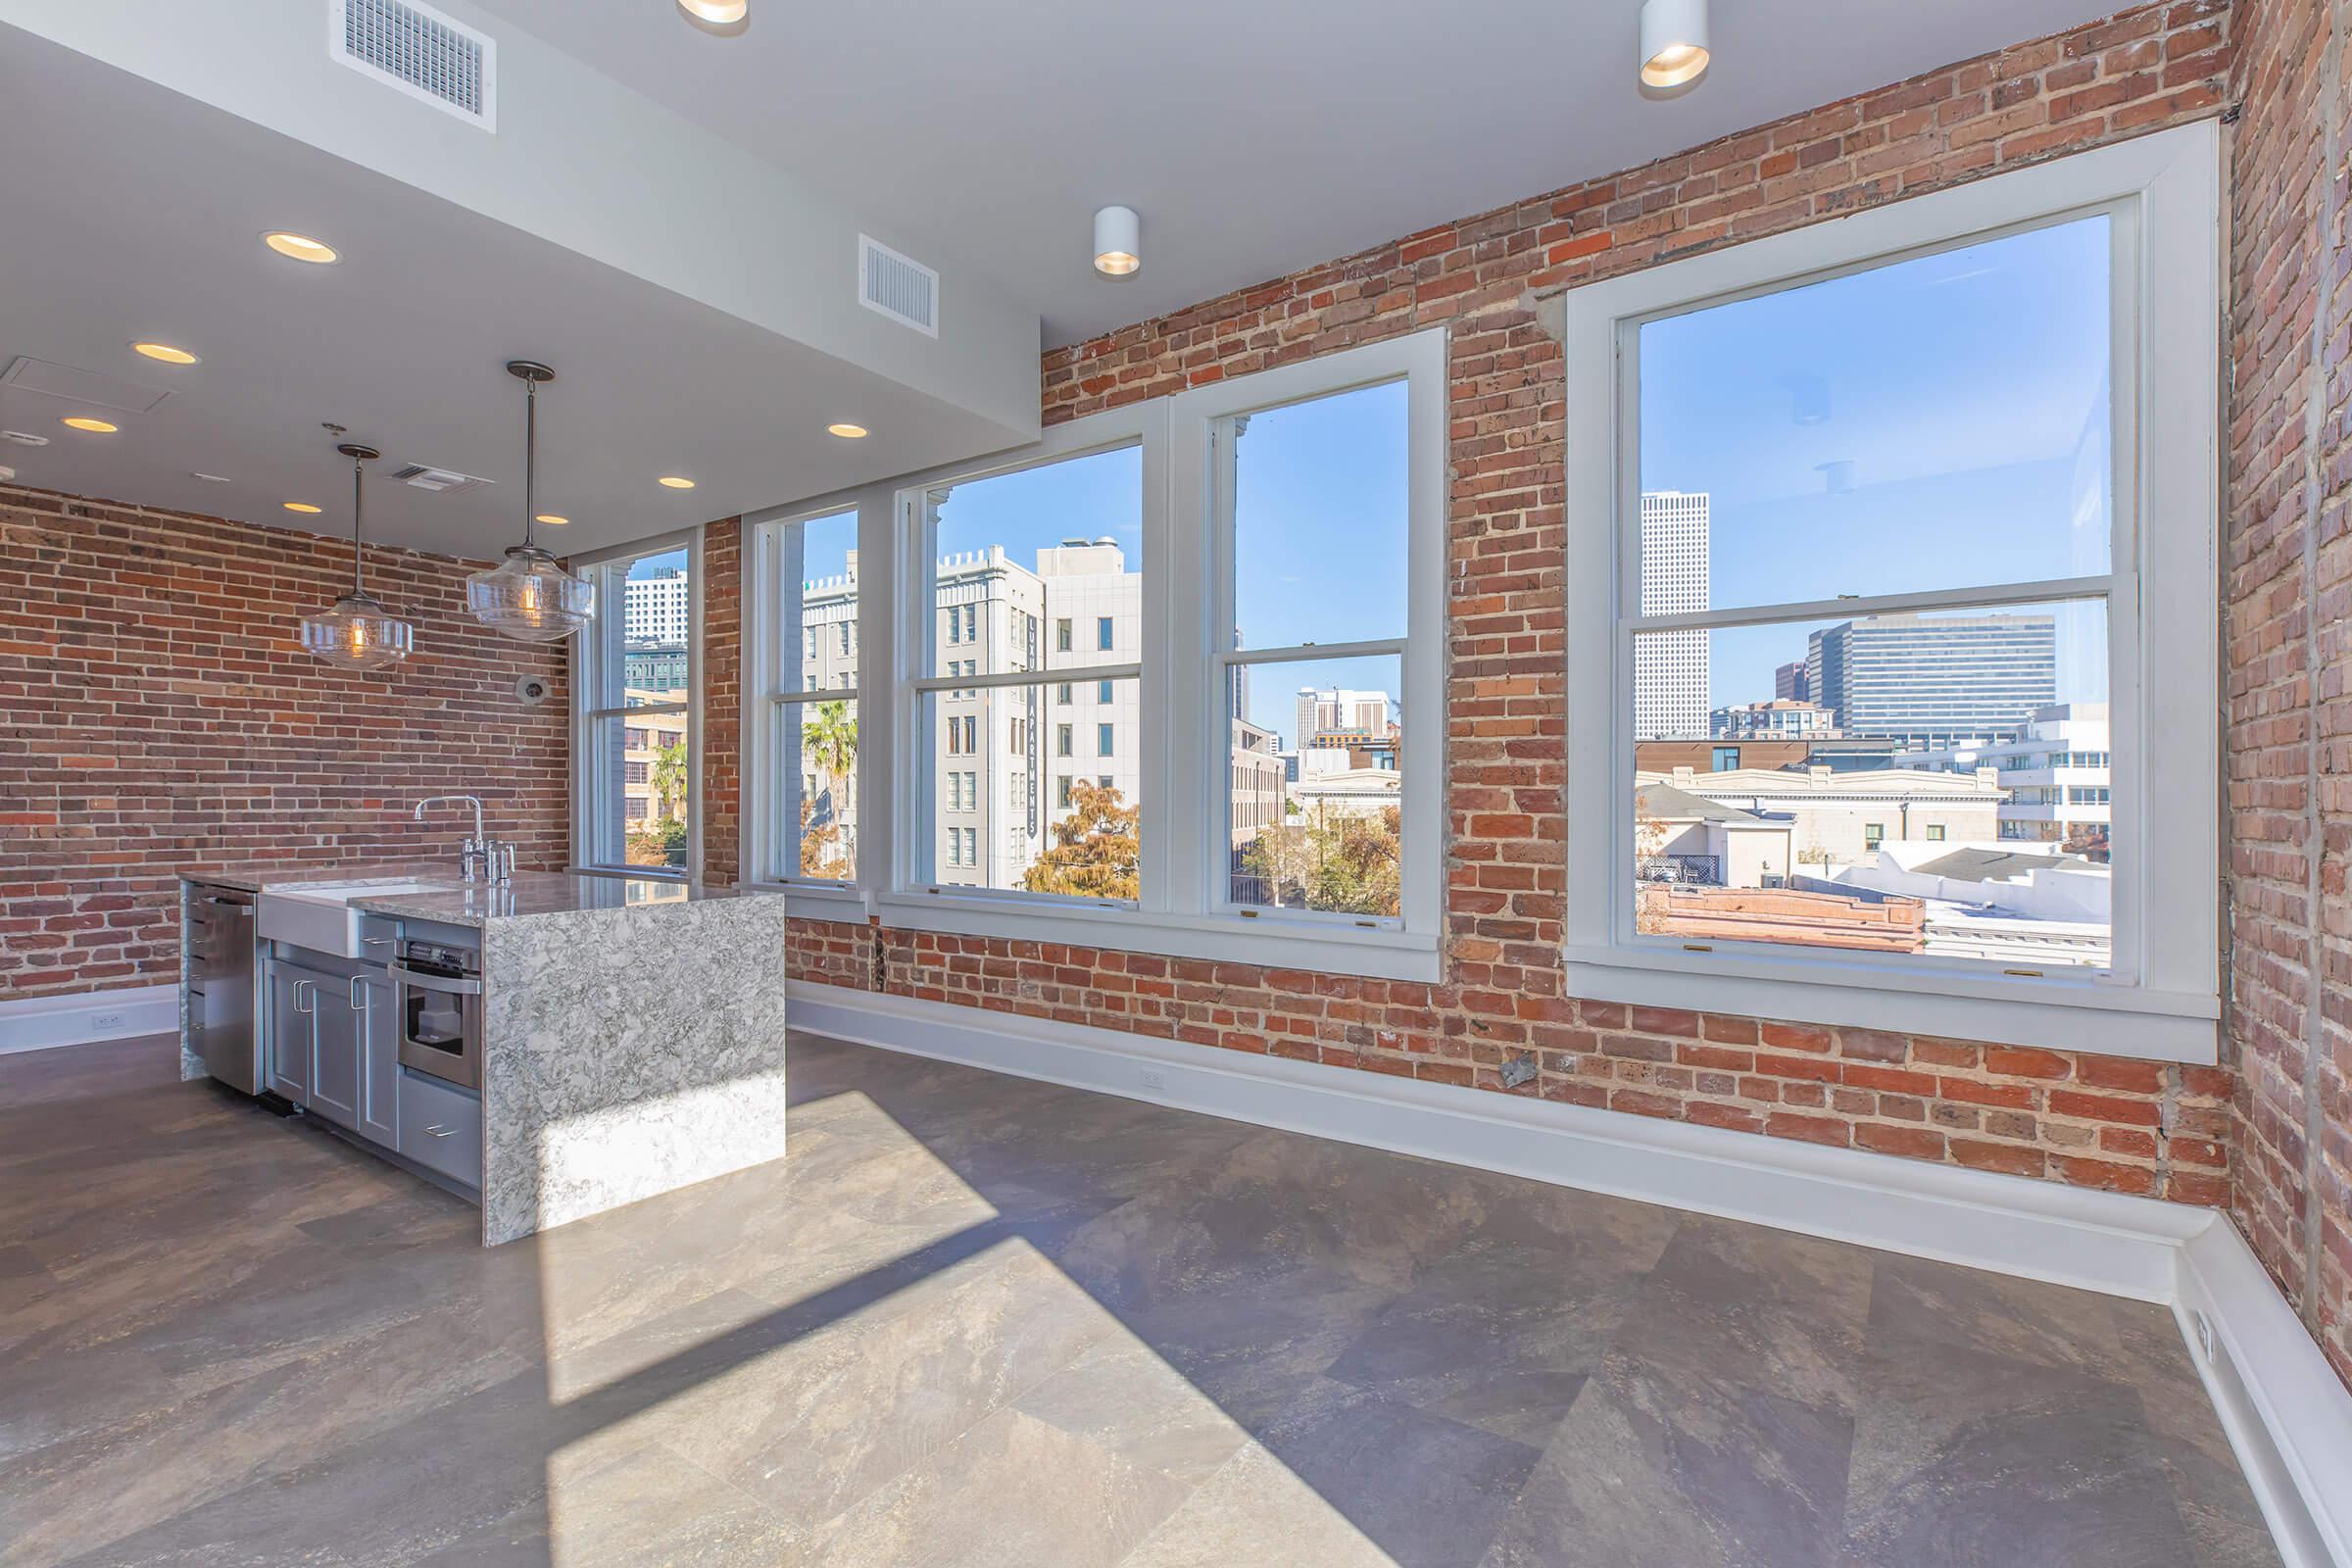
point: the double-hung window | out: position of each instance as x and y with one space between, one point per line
636 672
1906 489
1229 604
803 707
1023 549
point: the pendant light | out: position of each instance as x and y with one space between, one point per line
357 632
531 597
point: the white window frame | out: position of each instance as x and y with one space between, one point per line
773 636
1182 686
2159 999
591 804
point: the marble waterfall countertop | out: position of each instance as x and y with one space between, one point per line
632 1031
455 903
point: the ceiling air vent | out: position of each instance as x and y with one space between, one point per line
420 51
440 481
905 290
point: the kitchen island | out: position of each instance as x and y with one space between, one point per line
628 1035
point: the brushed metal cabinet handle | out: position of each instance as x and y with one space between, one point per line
440 1132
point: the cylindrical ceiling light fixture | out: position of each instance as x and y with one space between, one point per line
1673 42
717 13
1118 241
357 631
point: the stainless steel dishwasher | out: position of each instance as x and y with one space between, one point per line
221 958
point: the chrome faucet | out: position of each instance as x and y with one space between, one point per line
480 858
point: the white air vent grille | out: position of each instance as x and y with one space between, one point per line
905 290
440 481
420 51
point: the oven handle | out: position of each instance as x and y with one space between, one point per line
422 981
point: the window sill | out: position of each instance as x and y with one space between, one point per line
2103 1018
1383 955
813 901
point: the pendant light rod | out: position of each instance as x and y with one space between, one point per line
359 456
532 372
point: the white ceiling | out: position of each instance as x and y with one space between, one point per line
130 212
1255 136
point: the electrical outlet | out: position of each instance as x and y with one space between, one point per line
2204 1334
101 1023
1154 1078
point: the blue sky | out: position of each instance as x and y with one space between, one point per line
1967 390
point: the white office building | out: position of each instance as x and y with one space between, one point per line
2056 770
1322 709
654 609
1670 667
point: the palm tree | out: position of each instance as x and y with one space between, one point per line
831 740
668 779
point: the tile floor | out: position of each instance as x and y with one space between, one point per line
973 1320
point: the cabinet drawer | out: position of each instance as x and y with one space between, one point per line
379 937
441 1128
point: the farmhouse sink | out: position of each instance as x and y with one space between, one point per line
319 915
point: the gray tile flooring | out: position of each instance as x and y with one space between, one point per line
973 1320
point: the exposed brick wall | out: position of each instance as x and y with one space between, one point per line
722 783
155 710
2288 619
2081 1119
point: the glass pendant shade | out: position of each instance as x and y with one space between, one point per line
530 597
357 632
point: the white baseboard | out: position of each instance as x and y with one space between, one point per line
38 1023
2291 1424
2286 1410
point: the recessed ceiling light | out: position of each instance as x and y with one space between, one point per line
1673 42
83 421
165 352
676 483
717 13
1118 241
209 479
847 432
301 247
300 506
549 517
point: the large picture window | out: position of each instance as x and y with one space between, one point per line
634 689
1869 527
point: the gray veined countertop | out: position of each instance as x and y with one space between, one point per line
455 903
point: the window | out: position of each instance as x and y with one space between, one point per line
635 692
801 715
1301 511
1316 492
1022 542
1948 457
1727 759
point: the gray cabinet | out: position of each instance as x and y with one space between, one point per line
441 1128
335 1048
379 1022
292 1037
